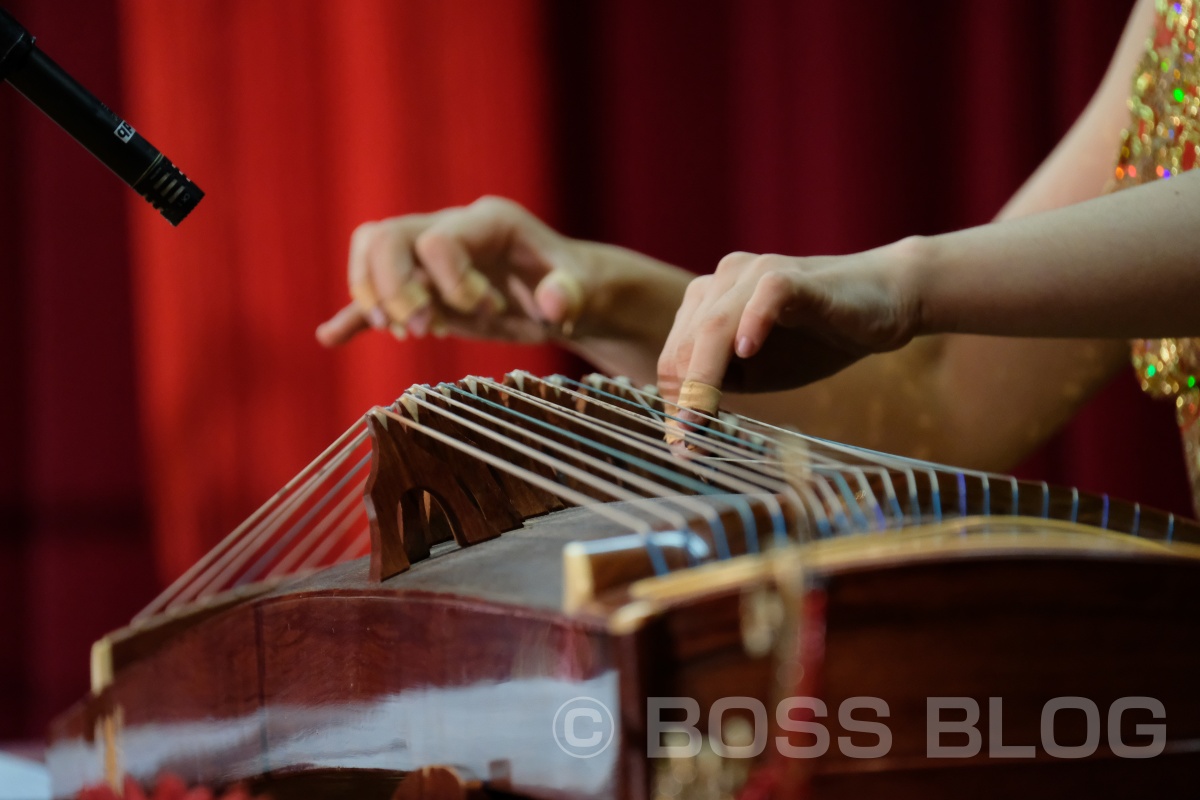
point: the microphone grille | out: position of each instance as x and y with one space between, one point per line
169 190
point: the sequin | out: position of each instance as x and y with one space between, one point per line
1159 142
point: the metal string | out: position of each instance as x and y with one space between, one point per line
356 435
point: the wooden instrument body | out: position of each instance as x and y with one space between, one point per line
461 653
338 682
338 672
1024 624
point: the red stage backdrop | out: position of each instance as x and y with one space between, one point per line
175 370
302 120
75 553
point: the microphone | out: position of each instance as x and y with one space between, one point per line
108 137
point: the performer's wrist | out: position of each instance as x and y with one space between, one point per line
632 298
918 269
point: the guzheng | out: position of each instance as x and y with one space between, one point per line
517 588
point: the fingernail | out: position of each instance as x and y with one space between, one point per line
744 347
328 336
399 331
438 327
552 304
377 317
418 323
559 297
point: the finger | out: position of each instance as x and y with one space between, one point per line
710 334
559 299
342 326
775 293
358 272
711 353
392 271
697 402
406 302
443 252
713 333
422 309
700 397
677 350
702 293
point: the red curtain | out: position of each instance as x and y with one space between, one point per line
300 121
175 370
75 552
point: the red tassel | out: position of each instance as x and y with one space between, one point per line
170 787
133 790
167 787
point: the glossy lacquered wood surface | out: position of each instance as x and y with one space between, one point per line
338 679
449 653
336 676
1024 630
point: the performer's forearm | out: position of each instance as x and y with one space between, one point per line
1121 266
630 310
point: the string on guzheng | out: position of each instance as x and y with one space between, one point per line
729 453
880 464
970 490
217 570
710 442
738 466
538 446
598 466
703 478
599 443
624 462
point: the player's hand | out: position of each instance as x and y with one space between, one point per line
767 322
487 270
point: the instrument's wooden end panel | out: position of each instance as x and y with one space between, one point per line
420 493
382 501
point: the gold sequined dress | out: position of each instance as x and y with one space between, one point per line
1163 139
